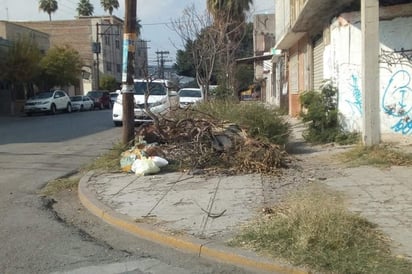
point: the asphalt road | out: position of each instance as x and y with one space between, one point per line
35 238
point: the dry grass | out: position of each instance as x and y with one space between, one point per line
383 155
60 184
313 229
108 162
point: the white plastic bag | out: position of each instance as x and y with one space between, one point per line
144 166
159 161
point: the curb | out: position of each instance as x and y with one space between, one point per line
186 244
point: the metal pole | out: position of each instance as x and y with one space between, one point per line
129 48
97 57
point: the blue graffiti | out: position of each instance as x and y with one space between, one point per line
357 95
394 100
403 125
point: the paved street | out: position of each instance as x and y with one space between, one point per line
34 150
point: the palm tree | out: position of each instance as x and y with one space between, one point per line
109 5
138 27
232 10
48 6
85 8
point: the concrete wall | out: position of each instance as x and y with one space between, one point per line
343 65
282 20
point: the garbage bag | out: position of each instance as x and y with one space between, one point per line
159 161
126 162
144 166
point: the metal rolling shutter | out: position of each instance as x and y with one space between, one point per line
318 49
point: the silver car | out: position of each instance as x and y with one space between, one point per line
81 103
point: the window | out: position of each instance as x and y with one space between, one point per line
117 43
118 67
107 40
108 66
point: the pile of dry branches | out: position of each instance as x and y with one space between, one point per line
200 143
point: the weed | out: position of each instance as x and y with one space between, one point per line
110 161
60 184
312 228
378 155
322 114
259 121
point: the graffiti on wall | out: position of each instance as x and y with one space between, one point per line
356 101
350 97
397 95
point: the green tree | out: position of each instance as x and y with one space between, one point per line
185 65
108 82
60 67
20 66
85 8
48 6
109 5
244 75
245 48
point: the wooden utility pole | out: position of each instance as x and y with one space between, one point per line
129 48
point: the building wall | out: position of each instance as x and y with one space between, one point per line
299 73
283 24
14 32
343 65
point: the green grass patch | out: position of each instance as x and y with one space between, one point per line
313 229
379 155
259 121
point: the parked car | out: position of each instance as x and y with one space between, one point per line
113 96
81 102
48 102
161 99
190 96
101 98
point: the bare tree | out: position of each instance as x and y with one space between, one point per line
206 42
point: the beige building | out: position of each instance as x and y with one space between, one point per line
10 32
99 41
13 32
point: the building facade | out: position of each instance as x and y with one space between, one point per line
11 103
321 40
342 59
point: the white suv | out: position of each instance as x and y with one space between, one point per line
160 99
48 101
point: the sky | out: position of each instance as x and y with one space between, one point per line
155 16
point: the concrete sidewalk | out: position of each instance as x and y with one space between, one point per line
196 214
199 214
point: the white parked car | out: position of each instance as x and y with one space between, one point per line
161 98
81 102
190 96
48 101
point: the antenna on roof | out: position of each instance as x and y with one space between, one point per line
7 10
